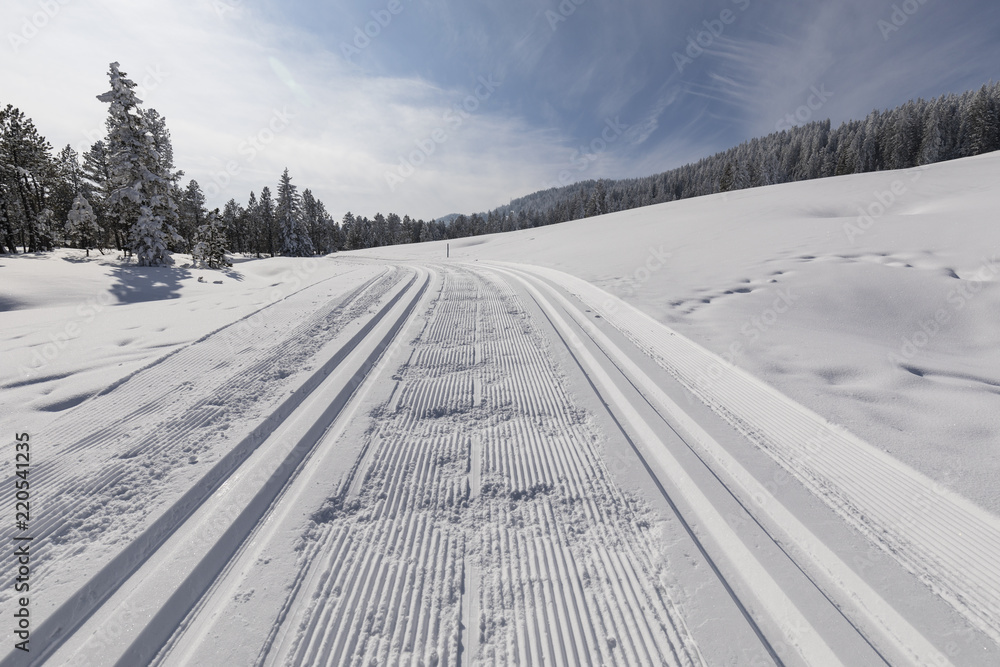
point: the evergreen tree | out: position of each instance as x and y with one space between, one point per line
44 229
99 185
295 240
164 147
234 219
983 134
393 229
265 210
254 225
67 184
426 234
210 244
81 225
312 220
931 141
351 229
26 172
726 180
191 211
141 196
377 232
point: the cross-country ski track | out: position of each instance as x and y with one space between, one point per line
485 463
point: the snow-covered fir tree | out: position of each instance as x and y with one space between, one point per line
294 234
82 228
26 170
211 241
234 218
98 185
140 197
268 224
45 229
191 206
254 225
67 184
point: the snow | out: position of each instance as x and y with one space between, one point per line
856 299
785 429
74 325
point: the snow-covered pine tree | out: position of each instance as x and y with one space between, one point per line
377 232
157 125
140 197
192 211
326 238
265 209
98 185
932 141
210 248
67 182
294 235
255 227
426 233
26 169
81 225
393 224
983 124
234 220
45 229
350 228
313 214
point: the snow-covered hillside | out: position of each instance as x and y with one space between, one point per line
754 428
888 323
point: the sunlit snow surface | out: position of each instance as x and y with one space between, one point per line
870 299
858 342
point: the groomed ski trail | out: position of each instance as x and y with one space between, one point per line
476 521
533 555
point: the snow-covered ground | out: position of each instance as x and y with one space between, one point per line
748 428
835 312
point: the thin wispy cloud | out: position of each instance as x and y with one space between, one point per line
357 89
642 130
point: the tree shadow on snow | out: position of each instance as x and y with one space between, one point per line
83 259
232 274
9 303
135 284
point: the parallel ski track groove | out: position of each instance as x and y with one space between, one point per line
543 591
945 540
375 290
60 479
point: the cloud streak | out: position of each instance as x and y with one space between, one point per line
222 71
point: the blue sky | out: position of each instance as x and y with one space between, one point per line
427 107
